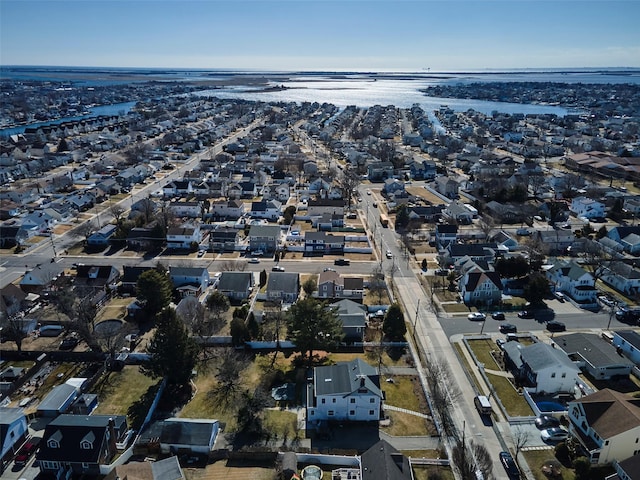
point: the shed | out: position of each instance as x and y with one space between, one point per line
58 401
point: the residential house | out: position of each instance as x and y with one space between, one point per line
425 170
58 400
223 239
353 316
129 278
447 186
183 238
475 251
320 186
504 213
188 209
429 213
327 222
621 232
379 171
283 287
541 367
95 282
189 281
80 444
265 238
143 238
182 435
12 235
505 240
101 237
458 212
587 208
556 241
631 244
623 277
232 209
607 425
393 186
317 208
628 469
41 277
266 209
333 285
165 469
249 189
319 243
236 285
481 288
234 191
383 462
594 355
571 279
445 235
346 391
13 431
12 299
177 188
628 343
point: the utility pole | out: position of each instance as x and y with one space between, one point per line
415 322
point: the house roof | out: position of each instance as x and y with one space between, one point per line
346 377
234 281
445 228
631 467
592 348
99 271
283 282
131 273
187 271
188 431
568 269
165 469
630 336
57 397
8 415
541 355
475 278
383 462
265 231
610 413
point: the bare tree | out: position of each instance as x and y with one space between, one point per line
13 328
233 266
229 365
472 459
596 258
117 212
487 225
521 439
349 182
377 285
444 392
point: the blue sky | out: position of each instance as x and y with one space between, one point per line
400 35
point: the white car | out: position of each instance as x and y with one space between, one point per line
389 254
254 260
555 434
476 316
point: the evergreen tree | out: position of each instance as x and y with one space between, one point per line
173 353
393 325
154 291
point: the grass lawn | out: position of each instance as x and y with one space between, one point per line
119 390
220 469
535 460
406 392
426 472
482 350
281 423
116 308
514 403
455 308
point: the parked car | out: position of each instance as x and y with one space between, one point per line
555 326
497 316
523 231
555 434
201 252
442 272
254 260
546 421
26 451
389 254
508 328
277 269
500 343
476 316
328 269
341 261
509 465
69 343
525 314
559 296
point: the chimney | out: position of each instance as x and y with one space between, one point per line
112 436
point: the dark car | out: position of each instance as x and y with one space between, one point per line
26 451
525 314
277 269
69 343
555 326
546 421
508 328
341 261
497 316
509 465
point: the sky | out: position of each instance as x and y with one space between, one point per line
345 35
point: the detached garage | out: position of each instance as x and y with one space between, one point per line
58 401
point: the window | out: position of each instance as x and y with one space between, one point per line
323 400
330 413
86 445
352 400
372 400
371 412
553 375
564 375
53 444
333 400
352 412
85 466
49 465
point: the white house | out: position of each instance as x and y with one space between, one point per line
607 424
345 391
267 209
228 209
13 430
481 288
628 342
587 208
186 209
183 237
573 280
541 367
622 277
194 276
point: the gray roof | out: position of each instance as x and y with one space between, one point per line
282 282
540 355
383 462
345 378
234 281
264 231
167 469
630 336
187 271
591 348
57 397
187 431
349 307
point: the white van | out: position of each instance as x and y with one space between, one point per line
482 405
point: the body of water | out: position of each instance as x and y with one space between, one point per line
114 109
